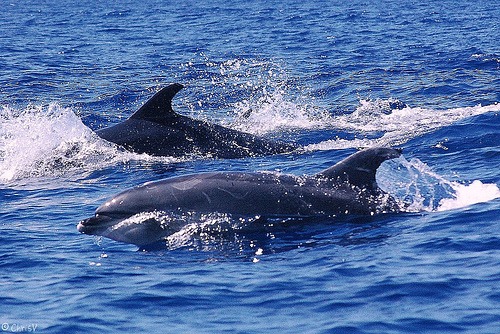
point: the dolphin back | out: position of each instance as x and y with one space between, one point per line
156 129
360 168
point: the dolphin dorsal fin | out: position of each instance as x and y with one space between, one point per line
159 106
360 168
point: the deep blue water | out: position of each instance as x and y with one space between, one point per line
323 74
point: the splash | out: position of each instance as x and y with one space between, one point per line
251 95
201 231
374 122
275 112
261 97
465 195
179 229
50 141
380 123
420 189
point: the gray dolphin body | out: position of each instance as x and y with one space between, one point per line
157 130
349 187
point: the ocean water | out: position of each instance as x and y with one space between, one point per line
332 76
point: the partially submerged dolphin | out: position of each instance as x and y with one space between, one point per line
349 187
157 130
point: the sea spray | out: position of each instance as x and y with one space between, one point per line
32 138
465 195
374 123
52 140
421 189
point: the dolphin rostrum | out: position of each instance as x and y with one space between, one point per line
157 130
349 187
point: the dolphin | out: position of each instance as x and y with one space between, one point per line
157 130
348 187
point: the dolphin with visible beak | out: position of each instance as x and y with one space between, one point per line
349 187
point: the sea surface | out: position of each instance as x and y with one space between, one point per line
332 76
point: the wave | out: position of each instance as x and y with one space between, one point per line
378 122
373 124
52 140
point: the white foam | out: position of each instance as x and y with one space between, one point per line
374 124
466 195
51 140
274 112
